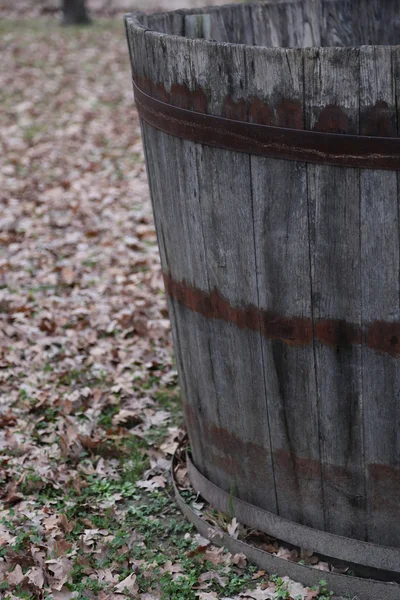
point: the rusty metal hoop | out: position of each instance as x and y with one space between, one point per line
367 152
366 589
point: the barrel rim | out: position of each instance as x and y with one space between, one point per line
133 19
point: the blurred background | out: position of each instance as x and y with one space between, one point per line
99 8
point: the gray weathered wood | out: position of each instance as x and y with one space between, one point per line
284 282
380 301
226 205
332 104
257 251
170 169
237 25
198 26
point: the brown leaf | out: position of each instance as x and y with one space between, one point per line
99 447
154 483
258 574
16 576
240 560
62 547
61 568
169 567
8 420
66 526
12 496
214 555
182 477
271 548
233 528
47 325
258 594
35 576
213 575
68 275
65 447
127 418
199 550
129 584
51 522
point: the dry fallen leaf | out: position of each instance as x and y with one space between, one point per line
207 595
35 576
214 555
233 528
268 594
169 567
61 569
62 547
129 584
152 484
66 525
68 275
240 560
16 576
258 575
213 575
12 496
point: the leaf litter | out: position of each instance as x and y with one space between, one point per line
89 404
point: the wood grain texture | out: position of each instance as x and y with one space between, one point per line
294 23
284 282
332 104
197 26
171 165
226 205
306 430
236 24
380 301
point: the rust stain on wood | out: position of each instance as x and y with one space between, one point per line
381 336
260 112
384 337
234 456
385 480
337 333
290 114
308 468
333 119
228 451
328 143
235 109
379 120
179 94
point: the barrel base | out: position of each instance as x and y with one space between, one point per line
367 556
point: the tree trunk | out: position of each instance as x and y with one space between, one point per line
75 12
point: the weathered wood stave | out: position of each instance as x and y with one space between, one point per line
283 277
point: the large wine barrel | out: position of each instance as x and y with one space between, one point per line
273 158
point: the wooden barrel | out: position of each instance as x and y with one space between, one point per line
270 132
